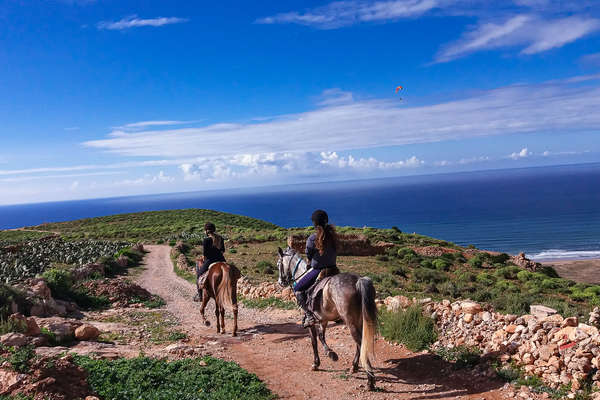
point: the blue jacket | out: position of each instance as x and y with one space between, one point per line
317 260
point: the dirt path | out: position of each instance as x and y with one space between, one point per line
275 348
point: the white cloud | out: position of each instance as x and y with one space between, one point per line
521 154
548 107
280 165
74 186
335 97
61 176
536 34
344 13
146 180
147 124
134 22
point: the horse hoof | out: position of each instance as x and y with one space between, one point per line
207 323
234 334
353 370
333 356
314 367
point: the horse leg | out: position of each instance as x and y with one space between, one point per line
355 331
235 313
222 319
217 309
313 340
204 299
330 353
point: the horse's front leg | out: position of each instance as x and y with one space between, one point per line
330 353
313 340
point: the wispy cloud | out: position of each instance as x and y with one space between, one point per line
134 22
547 107
57 176
148 124
591 59
524 153
344 13
335 96
533 33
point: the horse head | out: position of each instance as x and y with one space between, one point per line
283 265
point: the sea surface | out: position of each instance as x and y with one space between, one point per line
547 212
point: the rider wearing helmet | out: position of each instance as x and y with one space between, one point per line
213 249
321 251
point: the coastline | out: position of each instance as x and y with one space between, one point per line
586 270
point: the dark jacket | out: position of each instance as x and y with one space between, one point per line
317 260
211 253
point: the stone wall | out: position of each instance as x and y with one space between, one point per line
350 245
559 350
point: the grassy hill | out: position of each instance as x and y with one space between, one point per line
252 246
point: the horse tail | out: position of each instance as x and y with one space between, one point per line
227 292
369 314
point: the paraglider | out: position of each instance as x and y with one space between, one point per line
399 88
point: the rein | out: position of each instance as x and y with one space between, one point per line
293 279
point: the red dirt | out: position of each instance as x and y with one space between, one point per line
273 346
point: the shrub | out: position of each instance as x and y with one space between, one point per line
477 260
465 276
462 356
506 286
514 303
20 358
486 278
410 327
10 294
499 258
382 257
441 264
426 264
9 325
404 251
196 378
265 267
524 276
508 272
549 272
429 276
60 282
448 289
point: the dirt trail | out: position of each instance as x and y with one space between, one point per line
275 348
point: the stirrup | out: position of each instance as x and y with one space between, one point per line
308 321
197 298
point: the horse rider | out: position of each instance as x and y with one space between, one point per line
321 250
213 248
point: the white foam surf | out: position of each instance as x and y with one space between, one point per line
557 254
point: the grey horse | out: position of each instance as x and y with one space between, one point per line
345 296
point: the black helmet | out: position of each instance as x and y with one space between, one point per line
319 217
210 227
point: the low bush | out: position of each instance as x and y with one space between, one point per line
462 356
145 378
60 282
513 303
409 327
440 264
486 279
9 295
448 289
19 358
508 272
425 275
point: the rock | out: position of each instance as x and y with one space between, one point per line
62 329
32 327
91 398
510 328
468 318
397 302
548 351
13 339
539 311
42 290
571 321
470 307
87 332
9 380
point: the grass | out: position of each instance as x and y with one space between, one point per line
409 327
14 237
62 286
158 325
272 302
198 378
160 225
8 325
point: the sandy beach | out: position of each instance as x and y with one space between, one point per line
587 271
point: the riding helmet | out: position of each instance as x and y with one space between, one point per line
320 217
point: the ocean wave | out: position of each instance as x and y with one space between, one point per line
556 254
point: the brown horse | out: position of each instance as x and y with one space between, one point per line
344 296
221 285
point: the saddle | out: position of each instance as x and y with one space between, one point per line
202 278
315 292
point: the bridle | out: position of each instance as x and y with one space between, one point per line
289 279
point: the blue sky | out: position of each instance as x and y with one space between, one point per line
106 98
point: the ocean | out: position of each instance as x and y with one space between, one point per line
546 212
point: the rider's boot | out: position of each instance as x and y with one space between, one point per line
309 318
198 296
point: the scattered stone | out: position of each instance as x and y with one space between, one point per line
13 339
87 332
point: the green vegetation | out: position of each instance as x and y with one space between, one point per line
460 356
19 358
14 237
62 286
34 257
145 378
160 225
409 327
9 325
9 295
273 302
